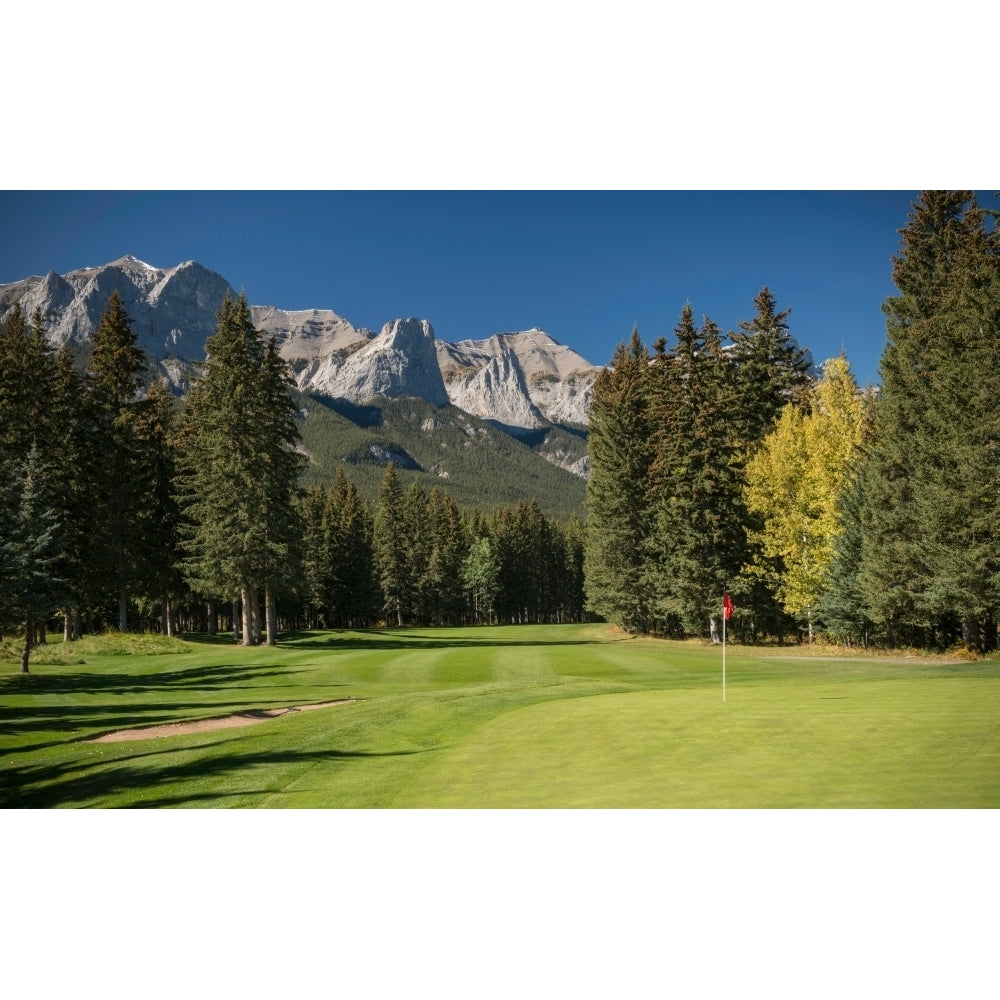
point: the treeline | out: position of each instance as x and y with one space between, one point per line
720 464
415 558
122 507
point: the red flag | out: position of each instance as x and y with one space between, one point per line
727 605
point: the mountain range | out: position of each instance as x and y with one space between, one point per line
524 385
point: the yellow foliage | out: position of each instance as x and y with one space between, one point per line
794 479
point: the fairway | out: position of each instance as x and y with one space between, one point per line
518 717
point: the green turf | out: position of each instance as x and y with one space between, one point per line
556 716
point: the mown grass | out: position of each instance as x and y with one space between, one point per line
533 717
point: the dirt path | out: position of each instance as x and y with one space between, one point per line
250 718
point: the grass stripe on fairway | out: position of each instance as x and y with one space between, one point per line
547 716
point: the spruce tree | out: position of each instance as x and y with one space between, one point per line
930 558
117 376
620 456
771 370
389 547
355 597
480 578
238 470
697 544
30 547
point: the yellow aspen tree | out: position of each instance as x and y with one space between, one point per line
793 482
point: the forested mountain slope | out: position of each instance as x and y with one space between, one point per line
470 459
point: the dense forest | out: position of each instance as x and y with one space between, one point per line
123 508
869 517
719 463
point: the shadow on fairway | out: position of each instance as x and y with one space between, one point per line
214 677
63 786
404 639
104 718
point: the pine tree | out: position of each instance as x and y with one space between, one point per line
157 555
442 581
389 546
76 484
930 558
771 370
355 598
698 543
30 547
117 381
480 577
318 548
620 456
238 470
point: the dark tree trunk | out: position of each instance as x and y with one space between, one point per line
271 613
29 631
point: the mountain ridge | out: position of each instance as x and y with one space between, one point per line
523 383
519 379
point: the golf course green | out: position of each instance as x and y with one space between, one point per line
571 716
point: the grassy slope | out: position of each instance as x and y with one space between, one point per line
501 717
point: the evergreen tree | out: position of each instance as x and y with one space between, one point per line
771 370
574 543
117 381
930 559
319 565
355 598
161 582
415 543
620 456
842 604
480 577
442 582
698 544
76 485
30 547
238 470
389 547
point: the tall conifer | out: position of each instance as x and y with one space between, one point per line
930 559
620 455
238 473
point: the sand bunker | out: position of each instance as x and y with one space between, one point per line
250 718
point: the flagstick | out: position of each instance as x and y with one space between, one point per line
723 656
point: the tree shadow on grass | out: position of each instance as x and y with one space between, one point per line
376 639
97 720
42 786
210 677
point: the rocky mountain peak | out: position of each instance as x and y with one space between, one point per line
518 380
400 361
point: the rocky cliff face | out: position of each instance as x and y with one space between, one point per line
528 377
520 381
309 334
400 361
172 309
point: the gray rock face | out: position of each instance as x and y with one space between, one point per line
555 381
308 334
517 380
172 309
491 386
400 361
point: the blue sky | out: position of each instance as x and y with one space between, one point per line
584 266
